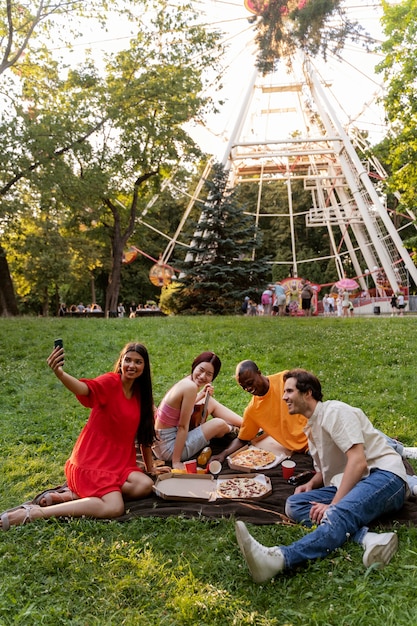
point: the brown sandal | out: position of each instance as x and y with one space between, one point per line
56 495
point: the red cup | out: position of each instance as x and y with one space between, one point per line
191 466
288 468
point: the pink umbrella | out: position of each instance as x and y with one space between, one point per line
347 283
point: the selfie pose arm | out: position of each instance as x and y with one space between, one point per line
56 362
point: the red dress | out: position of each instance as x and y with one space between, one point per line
104 454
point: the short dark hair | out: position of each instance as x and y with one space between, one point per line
306 381
207 357
247 366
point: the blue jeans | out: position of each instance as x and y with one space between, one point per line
378 493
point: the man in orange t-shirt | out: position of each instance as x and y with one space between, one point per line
266 411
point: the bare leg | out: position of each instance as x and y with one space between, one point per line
138 485
215 427
219 410
109 506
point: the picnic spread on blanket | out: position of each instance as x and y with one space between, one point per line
265 508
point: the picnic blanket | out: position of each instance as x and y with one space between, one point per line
269 510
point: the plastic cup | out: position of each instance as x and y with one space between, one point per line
191 466
215 467
288 468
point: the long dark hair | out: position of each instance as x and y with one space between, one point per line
207 357
142 389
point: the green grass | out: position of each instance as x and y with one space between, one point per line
179 572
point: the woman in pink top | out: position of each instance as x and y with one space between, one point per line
102 470
175 441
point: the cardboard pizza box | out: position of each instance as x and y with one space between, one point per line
195 487
201 487
243 468
266 442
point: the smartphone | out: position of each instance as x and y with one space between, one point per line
58 343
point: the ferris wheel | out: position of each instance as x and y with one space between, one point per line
289 126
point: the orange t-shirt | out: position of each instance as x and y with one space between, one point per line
270 413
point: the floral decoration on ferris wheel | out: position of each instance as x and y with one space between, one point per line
289 25
258 7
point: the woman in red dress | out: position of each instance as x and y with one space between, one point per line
102 468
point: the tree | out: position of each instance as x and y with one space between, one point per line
275 226
21 24
219 270
288 25
99 142
399 69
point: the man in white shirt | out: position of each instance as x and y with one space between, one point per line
358 478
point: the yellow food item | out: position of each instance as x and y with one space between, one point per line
204 456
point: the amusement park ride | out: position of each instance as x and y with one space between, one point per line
288 130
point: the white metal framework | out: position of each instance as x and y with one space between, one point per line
288 130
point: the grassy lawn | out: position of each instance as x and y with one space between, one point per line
174 571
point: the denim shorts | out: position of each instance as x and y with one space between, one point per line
165 442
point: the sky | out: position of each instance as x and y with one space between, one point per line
354 86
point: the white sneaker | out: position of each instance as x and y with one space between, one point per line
379 548
263 562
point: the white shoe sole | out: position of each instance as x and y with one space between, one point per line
381 553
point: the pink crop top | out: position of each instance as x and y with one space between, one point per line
167 415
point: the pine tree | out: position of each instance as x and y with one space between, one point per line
219 271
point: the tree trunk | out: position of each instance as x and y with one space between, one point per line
113 287
8 304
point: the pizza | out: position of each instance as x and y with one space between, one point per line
241 487
253 457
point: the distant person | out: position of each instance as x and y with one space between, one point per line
266 301
307 293
345 303
280 300
330 304
102 470
325 303
121 310
176 442
401 304
358 478
245 304
394 304
339 304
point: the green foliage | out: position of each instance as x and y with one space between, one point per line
219 269
398 69
95 144
176 571
288 25
276 241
